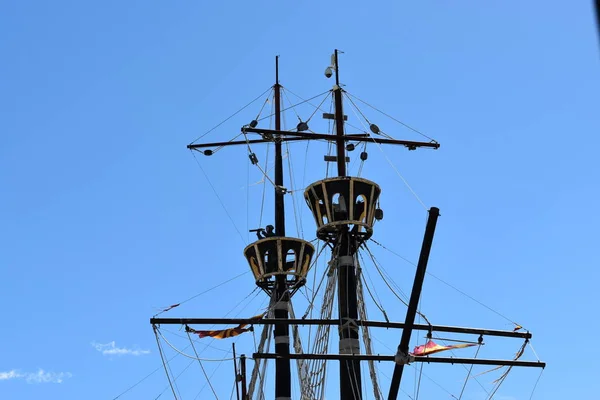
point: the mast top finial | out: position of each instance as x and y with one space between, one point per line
277 70
335 66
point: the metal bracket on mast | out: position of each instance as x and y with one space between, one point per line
402 358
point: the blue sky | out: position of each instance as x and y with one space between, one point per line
105 216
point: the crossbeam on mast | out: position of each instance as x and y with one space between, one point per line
354 137
294 137
238 142
374 324
424 359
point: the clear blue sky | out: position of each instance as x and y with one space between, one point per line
105 216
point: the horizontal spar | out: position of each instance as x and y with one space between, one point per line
436 360
374 324
294 137
353 137
238 142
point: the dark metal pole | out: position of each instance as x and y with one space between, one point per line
597 10
237 389
411 313
283 373
243 372
374 324
285 136
350 378
279 201
355 137
423 359
339 122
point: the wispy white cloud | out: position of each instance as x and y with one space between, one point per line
40 376
12 374
111 349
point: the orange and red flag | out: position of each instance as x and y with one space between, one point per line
431 347
224 333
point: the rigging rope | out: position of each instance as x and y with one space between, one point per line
162 357
400 175
206 346
474 299
204 292
536 383
314 387
401 389
175 379
202 366
189 364
140 381
196 358
503 377
233 388
392 118
362 313
257 371
356 109
157 331
500 382
419 383
311 302
389 286
297 104
264 104
263 171
219 198
262 203
319 108
314 280
293 106
468 375
365 128
301 365
437 384
532 349
218 148
299 228
187 355
380 307
257 365
444 340
362 162
447 284
304 172
232 115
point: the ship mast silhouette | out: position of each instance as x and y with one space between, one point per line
345 209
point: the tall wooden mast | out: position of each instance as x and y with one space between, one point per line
283 375
279 193
350 378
